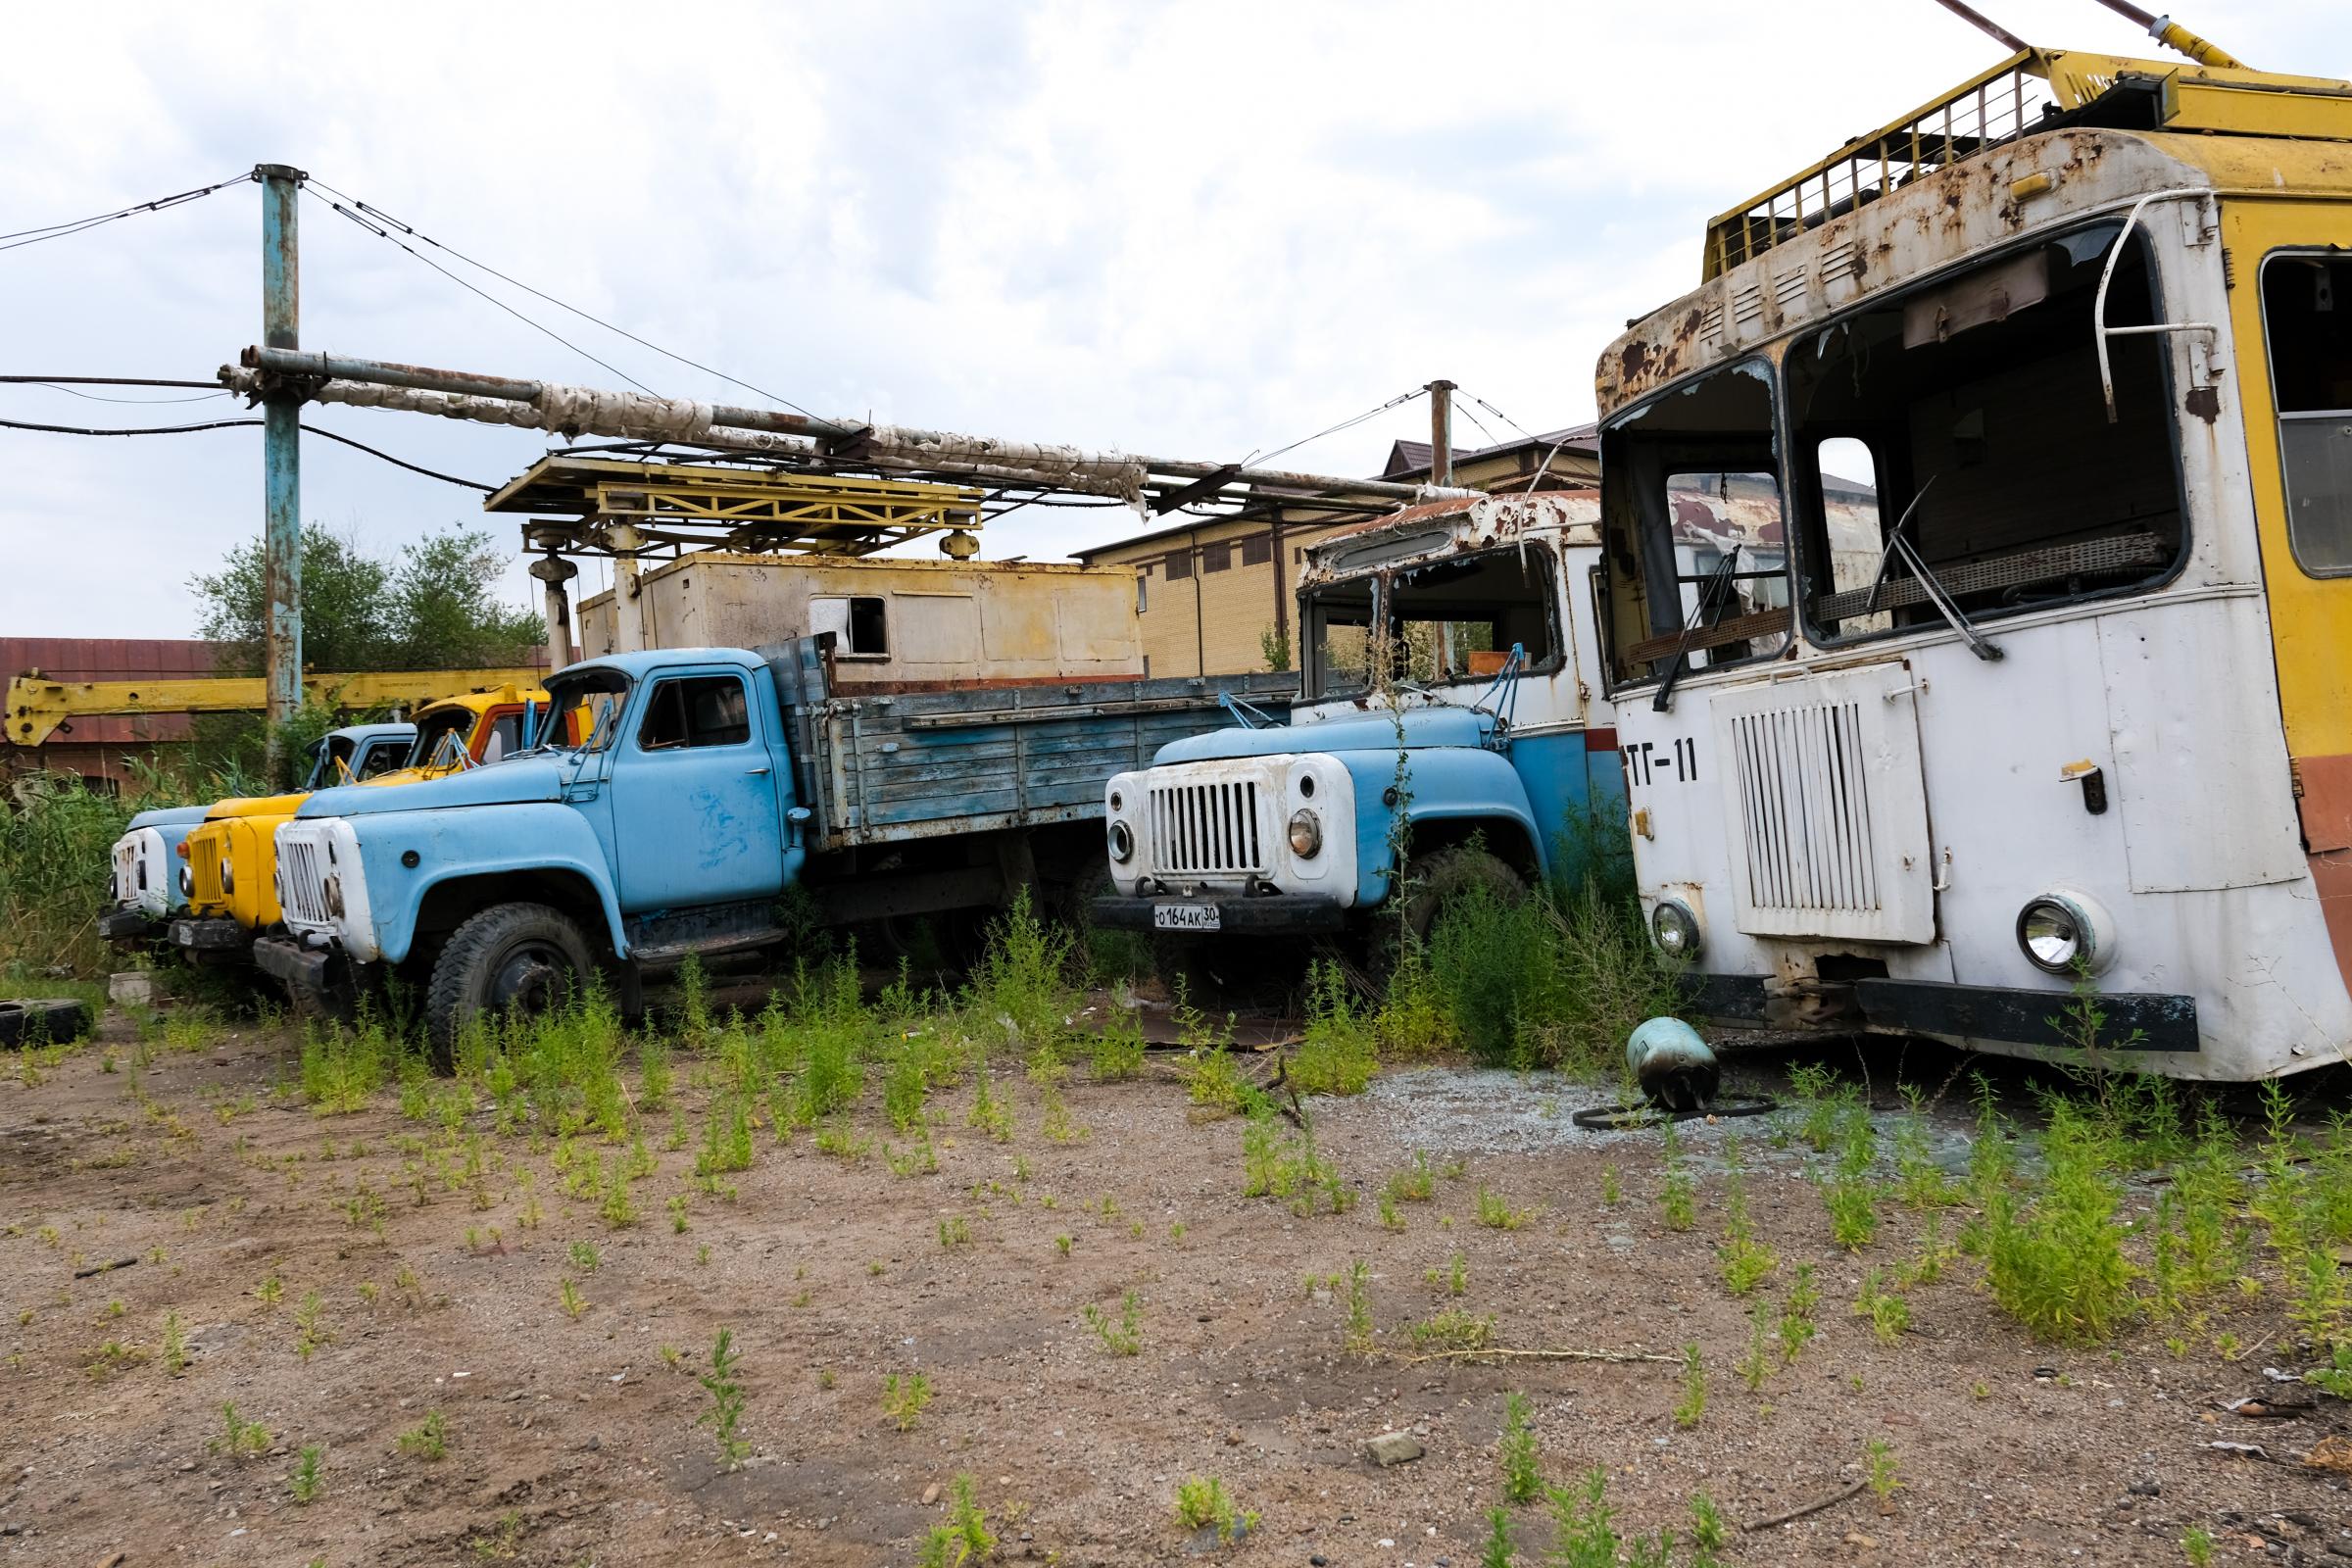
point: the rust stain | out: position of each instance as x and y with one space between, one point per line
2204 402
1632 359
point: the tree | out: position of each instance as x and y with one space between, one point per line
433 609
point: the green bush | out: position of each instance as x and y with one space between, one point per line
56 869
1556 980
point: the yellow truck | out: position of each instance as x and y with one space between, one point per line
230 861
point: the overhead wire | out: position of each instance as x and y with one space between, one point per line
232 425
1345 424
34 236
382 217
536 326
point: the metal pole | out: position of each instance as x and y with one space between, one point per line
554 571
1441 432
281 452
1985 25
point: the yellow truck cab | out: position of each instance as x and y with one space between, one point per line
229 859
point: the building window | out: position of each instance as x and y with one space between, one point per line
1180 564
1258 551
1216 557
1142 589
858 625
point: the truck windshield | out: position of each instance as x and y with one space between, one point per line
1338 617
583 710
1457 621
440 735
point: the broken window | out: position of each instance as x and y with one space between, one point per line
1338 620
1695 547
1457 621
2307 317
1969 416
858 625
384 757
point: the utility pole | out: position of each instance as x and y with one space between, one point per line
281 451
1441 432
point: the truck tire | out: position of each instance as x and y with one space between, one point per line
1450 875
43 1021
510 957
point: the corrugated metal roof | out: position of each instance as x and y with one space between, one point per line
115 658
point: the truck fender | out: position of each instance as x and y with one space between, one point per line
455 846
1445 783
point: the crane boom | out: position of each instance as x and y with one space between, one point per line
37 706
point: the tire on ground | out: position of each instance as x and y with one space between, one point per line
43 1021
525 958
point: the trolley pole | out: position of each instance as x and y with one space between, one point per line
281 451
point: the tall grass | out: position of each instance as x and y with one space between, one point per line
56 866
1556 980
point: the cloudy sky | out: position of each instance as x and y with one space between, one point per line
1192 230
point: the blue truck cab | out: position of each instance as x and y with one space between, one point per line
148 881
667 800
1450 713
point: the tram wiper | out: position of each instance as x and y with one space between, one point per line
1711 594
1898 545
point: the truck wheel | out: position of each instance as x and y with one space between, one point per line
1451 875
511 958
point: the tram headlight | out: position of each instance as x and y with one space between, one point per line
1122 843
2063 932
1674 929
1306 834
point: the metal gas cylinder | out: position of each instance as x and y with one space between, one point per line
1673 1065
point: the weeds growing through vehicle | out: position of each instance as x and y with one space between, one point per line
1522 1470
1338 1054
1359 1338
1121 1335
1694 1403
308 1482
725 1415
428 1439
905 1397
1201 1503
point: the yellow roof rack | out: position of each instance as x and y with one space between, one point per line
2033 90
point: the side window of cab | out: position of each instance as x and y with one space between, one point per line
690 710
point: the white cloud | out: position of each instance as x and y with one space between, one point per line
1192 230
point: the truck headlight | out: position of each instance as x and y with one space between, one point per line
228 876
333 894
2063 932
187 883
1306 834
1122 843
1674 929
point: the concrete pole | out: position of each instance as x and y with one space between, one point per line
628 609
1441 432
554 571
281 451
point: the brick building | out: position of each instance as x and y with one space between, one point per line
1213 593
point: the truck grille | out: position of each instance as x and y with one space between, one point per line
1805 808
126 871
204 868
302 878
1207 829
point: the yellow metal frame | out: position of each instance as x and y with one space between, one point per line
739 509
37 706
1957 125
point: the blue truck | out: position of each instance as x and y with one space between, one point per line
151 885
1451 716
669 802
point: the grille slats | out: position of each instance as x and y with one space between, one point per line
1806 809
1207 829
305 885
204 869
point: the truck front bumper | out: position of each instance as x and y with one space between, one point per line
129 927
215 935
307 974
1283 914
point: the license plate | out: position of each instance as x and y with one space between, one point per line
1187 917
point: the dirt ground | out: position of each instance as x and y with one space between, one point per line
573 1441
